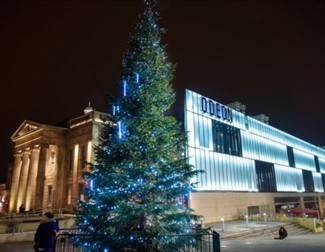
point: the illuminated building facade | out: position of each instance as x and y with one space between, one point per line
50 161
249 166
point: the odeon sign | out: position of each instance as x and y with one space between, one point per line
216 109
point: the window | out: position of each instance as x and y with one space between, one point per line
83 156
226 139
291 157
317 164
70 159
266 181
308 181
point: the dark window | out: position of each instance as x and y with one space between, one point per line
70 160
317 164
246 123
308 181
265 176
253 210
291 157
83 157
286 199
226 139
323 180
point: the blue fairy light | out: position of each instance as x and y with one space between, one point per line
124 88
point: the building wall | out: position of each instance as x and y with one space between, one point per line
241 154
50 162
214 206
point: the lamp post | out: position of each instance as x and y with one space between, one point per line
222 225
246 217
264 217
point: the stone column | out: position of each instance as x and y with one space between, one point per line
319 206
61 177
31 182
75 185
23 178
302 205
15 183
40 180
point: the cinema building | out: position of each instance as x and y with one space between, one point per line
249 166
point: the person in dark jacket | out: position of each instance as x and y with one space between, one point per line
282 233
45 233
22 208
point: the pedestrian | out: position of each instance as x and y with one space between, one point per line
282 233
22 208
45 234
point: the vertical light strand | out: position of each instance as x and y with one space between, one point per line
137 78
114 110
119 129
124 88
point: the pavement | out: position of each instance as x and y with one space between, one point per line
228 230
232 240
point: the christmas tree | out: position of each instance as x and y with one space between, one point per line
137 188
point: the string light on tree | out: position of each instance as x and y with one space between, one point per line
140 177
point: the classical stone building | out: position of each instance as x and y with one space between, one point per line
50 161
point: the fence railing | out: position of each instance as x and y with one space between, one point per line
31 214
207 242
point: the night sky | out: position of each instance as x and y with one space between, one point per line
56 56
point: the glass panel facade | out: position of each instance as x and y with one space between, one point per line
318 183
232 148
304 160
288 179
321 162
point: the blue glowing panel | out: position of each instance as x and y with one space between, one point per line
304 160
228 170
288 179
318 183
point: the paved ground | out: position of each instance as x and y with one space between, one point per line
296 243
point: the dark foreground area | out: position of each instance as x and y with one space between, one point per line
298 243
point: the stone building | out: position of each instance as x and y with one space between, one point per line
50 160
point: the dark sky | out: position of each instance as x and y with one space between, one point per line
56 56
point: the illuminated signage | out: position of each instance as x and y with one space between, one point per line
216 109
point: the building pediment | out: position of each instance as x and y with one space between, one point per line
26 128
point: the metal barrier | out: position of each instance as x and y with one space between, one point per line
32 214
209 242
64 241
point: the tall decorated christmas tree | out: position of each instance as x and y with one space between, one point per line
135 192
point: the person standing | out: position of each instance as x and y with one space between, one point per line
22 208
45 234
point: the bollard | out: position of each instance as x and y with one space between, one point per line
222 225
216 241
